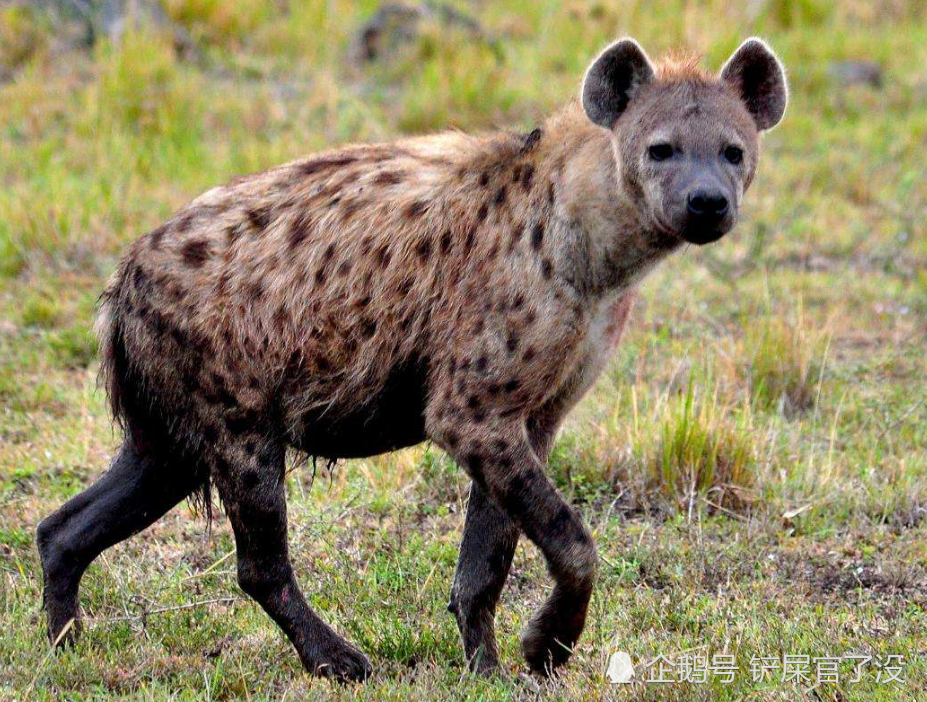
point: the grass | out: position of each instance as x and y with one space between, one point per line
753 463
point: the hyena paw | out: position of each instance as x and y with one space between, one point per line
343 663
545 647
64 625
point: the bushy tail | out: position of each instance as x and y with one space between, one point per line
108 329
132 409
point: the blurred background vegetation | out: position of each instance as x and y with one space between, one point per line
753 463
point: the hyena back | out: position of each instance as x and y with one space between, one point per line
462 289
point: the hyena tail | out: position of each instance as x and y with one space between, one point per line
144 420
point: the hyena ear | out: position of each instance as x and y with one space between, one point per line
757 75
612 80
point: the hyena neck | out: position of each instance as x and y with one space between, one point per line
606 245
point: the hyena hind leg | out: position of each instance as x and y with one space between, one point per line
252 488
135 492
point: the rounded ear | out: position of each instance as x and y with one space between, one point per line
757 75
612 79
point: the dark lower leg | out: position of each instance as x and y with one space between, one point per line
513 477
258 516
130 496
486 551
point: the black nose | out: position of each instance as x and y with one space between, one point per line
707 205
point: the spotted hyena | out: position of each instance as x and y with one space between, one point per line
462 289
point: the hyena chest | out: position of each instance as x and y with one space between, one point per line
390 418
607 322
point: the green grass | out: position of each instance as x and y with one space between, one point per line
753 463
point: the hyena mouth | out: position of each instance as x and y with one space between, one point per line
701 236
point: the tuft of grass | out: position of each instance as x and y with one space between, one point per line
784 359
703 451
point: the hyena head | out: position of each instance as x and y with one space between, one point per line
685 142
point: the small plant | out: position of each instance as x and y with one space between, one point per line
702 451
783 362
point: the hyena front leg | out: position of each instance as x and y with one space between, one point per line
500 459
486 550
252 489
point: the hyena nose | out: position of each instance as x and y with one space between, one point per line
707 205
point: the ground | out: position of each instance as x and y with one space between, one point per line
753 464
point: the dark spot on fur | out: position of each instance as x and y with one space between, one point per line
184 221
452 438
299 231
501 445
423 249
527 176
512 342
416 209
405 287
468 243
493 389
280 319
547 268
500 196
516 173
446 241
250 478
479 326
482 213
484 178
195 252
240 421
388 178
531 317
531 140
550 193
140 281
259 217
368 327
320 165
255 290
481 363
156 236
537 236
512 385
384 255
561 521
518 301
473 402
528 354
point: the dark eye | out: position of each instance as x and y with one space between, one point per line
660 152
734 154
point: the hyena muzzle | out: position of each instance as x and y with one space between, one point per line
466 290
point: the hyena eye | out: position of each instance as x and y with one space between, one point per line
734 154
660 152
